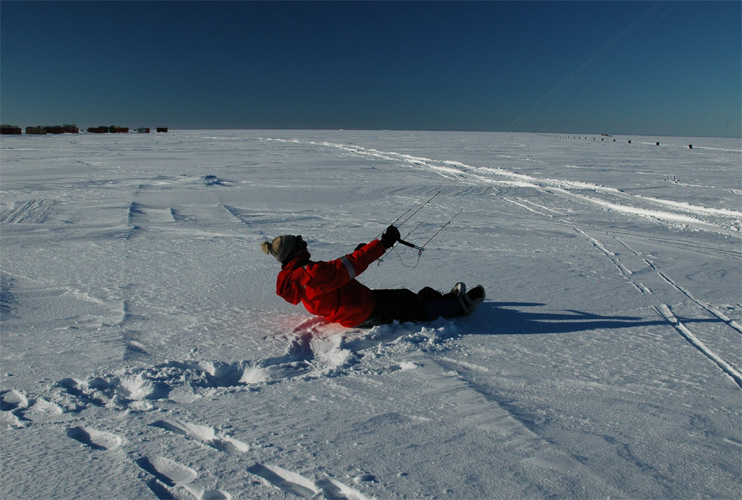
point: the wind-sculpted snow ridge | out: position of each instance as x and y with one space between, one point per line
718 220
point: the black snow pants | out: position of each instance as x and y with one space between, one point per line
406 306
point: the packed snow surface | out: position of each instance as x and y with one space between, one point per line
145 353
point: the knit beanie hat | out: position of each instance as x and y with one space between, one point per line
281 247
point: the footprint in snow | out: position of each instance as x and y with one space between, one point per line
12 400
168 474
167 471
204 434
13 405
298 485
97 440
284 480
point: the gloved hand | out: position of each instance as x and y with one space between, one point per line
390 237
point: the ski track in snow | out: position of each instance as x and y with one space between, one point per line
665 311
725 221
28 212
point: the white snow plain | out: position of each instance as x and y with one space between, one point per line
145 353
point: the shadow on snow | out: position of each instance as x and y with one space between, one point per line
515 318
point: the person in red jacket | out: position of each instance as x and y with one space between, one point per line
330 289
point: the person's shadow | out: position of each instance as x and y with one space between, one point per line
497 318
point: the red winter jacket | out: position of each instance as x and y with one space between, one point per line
329 289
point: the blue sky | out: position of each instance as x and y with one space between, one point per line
650 68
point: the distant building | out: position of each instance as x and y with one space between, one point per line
162 129
10 130
143 130
53 129
113 129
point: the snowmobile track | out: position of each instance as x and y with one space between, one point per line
28 212
665 311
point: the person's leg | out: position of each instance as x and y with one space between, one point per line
447 307
458 290
396 305
428 293
458 302
426 305
404 305
440 305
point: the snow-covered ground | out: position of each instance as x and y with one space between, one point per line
146 355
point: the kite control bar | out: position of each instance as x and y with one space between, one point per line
408 244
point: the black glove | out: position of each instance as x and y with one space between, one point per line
360 245
390 237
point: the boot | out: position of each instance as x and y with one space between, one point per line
458 290
471 299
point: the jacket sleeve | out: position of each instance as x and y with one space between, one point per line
334 274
